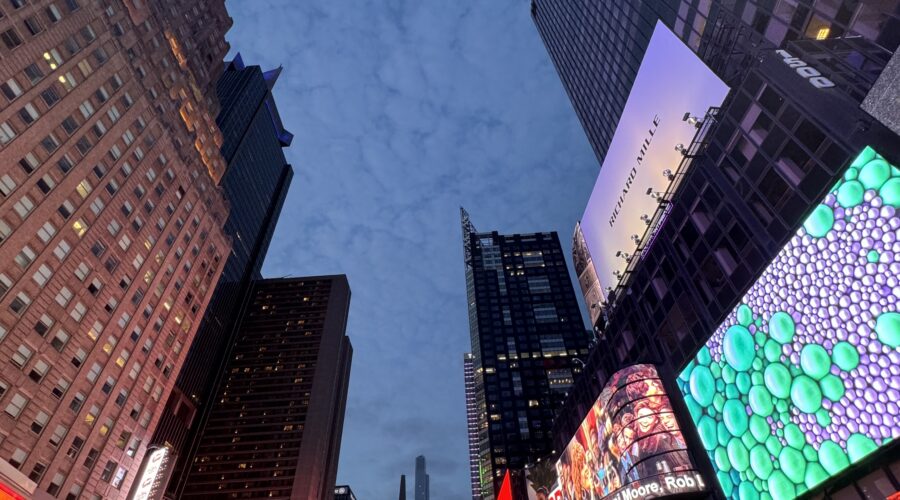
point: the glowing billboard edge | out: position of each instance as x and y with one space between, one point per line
803 377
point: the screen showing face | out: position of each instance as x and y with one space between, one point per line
803 377
629 445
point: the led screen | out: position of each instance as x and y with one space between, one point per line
629 445
803 377
671 81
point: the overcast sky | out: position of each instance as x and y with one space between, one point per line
403 110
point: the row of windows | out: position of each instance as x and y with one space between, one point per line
33 24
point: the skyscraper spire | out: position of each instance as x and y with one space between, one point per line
421 479
402 487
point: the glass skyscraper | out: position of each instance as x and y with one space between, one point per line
275 427
527 332
255 183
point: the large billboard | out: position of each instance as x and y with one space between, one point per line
629 445
671 81
801 379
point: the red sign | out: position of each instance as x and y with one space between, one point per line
7 493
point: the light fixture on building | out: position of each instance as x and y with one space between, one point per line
646 219
680 148
692 120
668 175
635 238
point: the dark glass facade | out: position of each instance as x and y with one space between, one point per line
275 427
756 171
526 332
255 183
597 46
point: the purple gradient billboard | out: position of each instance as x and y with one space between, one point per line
671 81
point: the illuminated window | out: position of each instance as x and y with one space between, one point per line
80 227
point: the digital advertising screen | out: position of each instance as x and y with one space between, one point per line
587 275
542 482
803 377
629 445
671 81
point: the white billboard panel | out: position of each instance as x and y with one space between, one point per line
671 81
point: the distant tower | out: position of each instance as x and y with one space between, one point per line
421 479
402 487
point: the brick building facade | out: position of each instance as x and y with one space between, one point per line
110 229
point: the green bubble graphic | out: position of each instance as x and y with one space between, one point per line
814 361
794 436
703 385
890 192
815 474
706 427
781 327
761 401
823 418
773 444
859 445
845 355
738 455
738 348
743 382
772 351
746 491
851 194
778 380
832 387
760 461
781 487
793 464
718 401
704 357
731 392
865 156
887 326
744 315
720 457
759 428
806 395
872 256
820 221
810 453
735 417
722 434
832 457
874 174
695 410
725 483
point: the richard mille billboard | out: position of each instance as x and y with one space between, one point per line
671 81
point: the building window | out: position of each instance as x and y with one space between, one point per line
39 422
545 313
33 26
17 458
11 38
108 470
16 405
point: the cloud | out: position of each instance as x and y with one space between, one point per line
402 111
